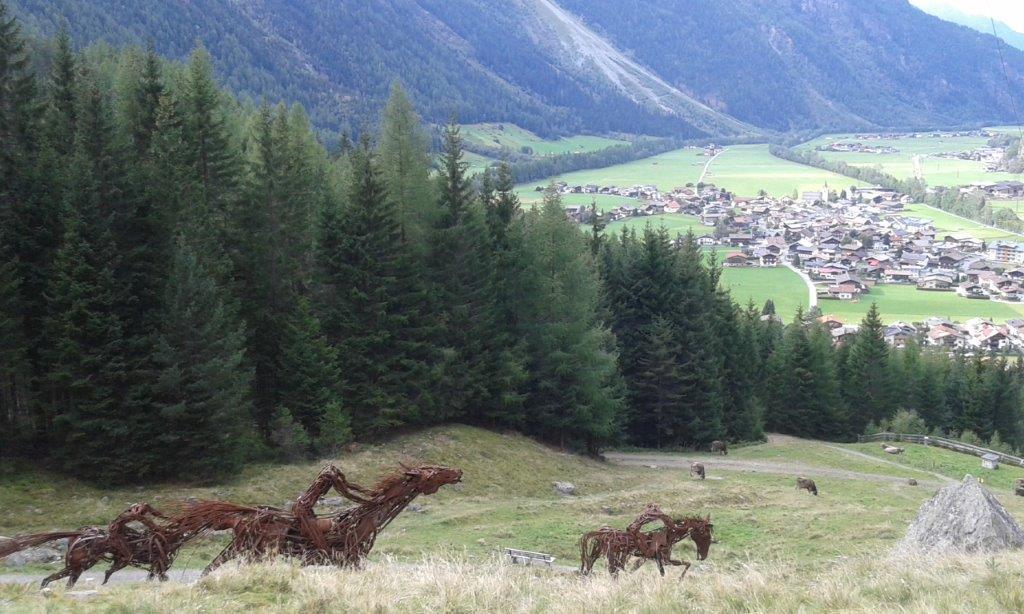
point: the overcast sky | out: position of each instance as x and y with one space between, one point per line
1010 12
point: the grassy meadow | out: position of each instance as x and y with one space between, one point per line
778 548
936 171
676 224
784 287
668 170
907 303
948 222
746 169
514 138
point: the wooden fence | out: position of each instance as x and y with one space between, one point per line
942 442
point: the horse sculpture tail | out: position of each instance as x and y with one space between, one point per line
17 544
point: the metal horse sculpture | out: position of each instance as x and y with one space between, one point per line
152 547
342 539
618 546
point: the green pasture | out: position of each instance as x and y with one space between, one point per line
514 138
948 222
907 303
758 284
668 170
936 171
747 169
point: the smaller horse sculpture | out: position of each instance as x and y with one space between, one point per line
719 447
807 485
619 546
697 469
152 547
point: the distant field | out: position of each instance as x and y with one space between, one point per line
476 162
529 197
947 222
746 169
668 170
936 171
515 138
676 224
907 303
780 284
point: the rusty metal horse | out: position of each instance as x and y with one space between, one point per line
619 546
151 547
343 539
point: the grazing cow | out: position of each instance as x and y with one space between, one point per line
1018 487
912 482
697 469
893 450
719 446
807 485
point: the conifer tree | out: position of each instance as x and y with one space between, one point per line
869 389
405 167
456 266
370 320
203 387
574 390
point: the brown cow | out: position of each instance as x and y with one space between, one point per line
807 485
1018 487
719 446
697 469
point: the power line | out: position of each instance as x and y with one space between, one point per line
1006 77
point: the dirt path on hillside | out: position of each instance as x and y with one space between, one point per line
939 476
756 466
91 580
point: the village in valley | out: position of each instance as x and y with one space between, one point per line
846 244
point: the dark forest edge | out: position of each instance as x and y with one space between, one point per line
188 283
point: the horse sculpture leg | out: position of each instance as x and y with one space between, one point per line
118 565
55 576
661 565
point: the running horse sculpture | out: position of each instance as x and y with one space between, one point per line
619 546
342 539
151 547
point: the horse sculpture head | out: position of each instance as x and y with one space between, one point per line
425 480
701 531
429 478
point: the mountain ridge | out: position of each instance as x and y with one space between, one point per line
685 68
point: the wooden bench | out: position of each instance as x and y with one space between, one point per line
525 557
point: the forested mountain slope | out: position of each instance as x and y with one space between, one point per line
787 64
680 67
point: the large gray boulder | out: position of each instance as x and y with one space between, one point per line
33 556
962 518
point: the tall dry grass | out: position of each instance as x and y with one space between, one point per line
456 584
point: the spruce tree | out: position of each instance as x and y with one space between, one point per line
574 390
370 320
457 269
869 388
203 387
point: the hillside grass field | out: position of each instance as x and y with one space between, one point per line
784 287
907 303
746 169
676 224
509 136
448 557
936 171
667 171
948 222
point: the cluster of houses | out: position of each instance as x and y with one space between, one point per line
847 246
997 190
975 335
858 147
